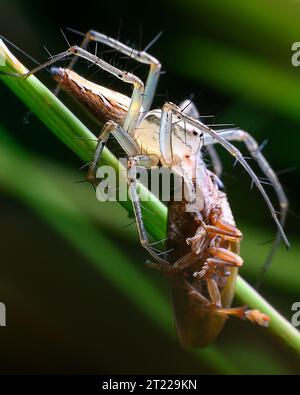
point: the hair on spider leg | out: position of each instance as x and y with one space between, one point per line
216 125
20 50
81 181
139 65
48 52
86 181
159 241
65 37
85 165
165 252
207 116
188 104
91 64
262 181
98 70
108 51
140 38
261 147
175 123
70 29
286 170
266 242
120 29
293 214
265 180
236 161
153 41
86 138
127 225
157 251
146 209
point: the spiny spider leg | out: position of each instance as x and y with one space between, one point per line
138 86
132 186
189 108
170 107
139 56
254 150
124 139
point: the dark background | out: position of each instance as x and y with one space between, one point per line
234 57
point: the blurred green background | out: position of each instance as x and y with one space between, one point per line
64 256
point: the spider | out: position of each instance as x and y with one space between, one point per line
202 223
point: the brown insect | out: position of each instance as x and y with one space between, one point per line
205 269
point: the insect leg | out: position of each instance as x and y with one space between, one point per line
214 292
189 108
254 150
213 135
139 56
254 316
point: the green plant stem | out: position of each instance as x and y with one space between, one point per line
68 128
278 324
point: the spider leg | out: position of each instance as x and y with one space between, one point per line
165 144
132 186
189 108
128 144
138 86
213 135
254 150
139 56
